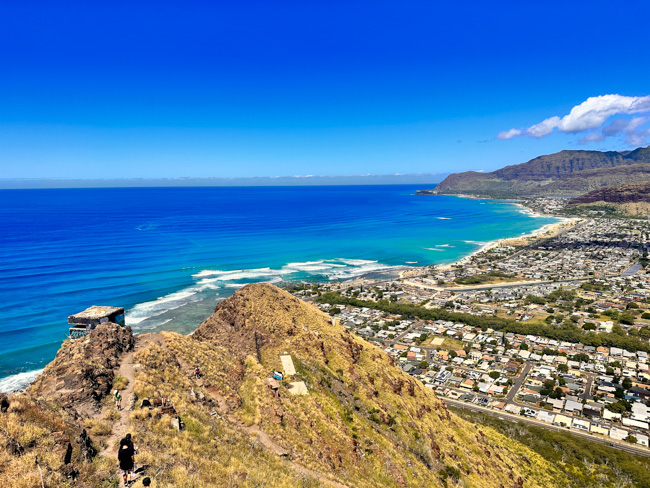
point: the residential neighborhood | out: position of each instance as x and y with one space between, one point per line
587 281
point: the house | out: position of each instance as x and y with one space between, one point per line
581 424
558 404
640 392
637 424
592 409
443 377
467 384
609 415
562 420
545 416
598 429
619 434
573 407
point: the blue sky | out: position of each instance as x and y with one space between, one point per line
225 89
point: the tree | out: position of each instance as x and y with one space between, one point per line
524 346
625 318
589 326
494 375
581 357
631 439
627 383
620 406
423 365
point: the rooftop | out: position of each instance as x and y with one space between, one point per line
97 312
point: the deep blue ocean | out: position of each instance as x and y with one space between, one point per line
168 255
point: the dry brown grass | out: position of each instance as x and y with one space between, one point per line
119 383
364 423
43 431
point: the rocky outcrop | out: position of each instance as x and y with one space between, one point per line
629 193
83 371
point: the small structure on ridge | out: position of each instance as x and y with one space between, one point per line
83 322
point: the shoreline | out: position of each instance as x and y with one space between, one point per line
545 229
20 381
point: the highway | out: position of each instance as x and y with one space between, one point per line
622 445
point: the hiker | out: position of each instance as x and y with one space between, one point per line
197 373
118 399
129 443
126 460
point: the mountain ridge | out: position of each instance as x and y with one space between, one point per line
563 173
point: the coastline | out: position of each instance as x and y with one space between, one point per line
21 380
547 230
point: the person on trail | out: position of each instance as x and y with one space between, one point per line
129 442
118 399
197 372
126 461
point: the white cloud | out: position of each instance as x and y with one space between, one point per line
509 134
592 114
631 129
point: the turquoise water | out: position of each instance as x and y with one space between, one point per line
169 255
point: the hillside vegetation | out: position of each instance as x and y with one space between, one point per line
362 423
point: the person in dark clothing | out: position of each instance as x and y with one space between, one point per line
128 440
126 460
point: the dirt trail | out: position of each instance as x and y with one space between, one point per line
263 437
121 426
127 369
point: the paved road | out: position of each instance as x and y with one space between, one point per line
517 382
623 446
632 270
590 380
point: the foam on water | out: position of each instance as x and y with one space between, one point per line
179 251
18 382
215 283
147 310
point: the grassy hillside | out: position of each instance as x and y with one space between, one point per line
363 423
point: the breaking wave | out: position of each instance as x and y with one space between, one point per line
18 382
211 283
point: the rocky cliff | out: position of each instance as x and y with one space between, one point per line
628 193
347 416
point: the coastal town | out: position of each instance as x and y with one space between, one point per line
551 329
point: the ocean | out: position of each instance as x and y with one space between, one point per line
169 255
